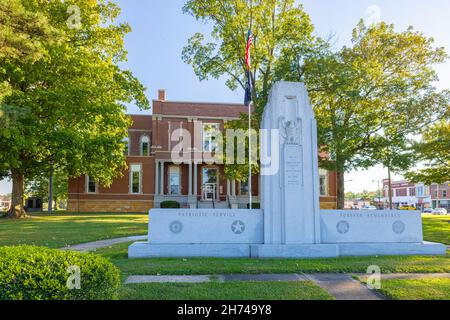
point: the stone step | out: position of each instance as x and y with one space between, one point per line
209 205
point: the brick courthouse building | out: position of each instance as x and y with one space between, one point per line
152 177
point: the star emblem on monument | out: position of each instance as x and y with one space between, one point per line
238 227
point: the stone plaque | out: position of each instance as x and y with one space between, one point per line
198 226
293 166
381 226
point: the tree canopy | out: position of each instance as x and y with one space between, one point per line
282 34
372 97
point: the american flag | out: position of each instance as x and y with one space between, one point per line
247 49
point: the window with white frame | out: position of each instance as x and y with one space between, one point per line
444 193
91 185
126 142
174 180
145 145
323 182
210 131
135 178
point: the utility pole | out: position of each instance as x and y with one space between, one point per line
390 188
379 195
50 191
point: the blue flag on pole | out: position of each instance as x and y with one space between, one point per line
248 84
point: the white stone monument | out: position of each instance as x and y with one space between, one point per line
290 224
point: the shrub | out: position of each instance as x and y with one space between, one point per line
170 205
38 273
255 205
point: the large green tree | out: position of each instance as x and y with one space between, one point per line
372 97
282 34
66 110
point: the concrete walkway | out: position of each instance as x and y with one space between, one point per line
216 278
167 279
340 286
344 287
408 276
92 246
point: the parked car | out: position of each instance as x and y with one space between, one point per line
440 211
369 208
428 210
410 208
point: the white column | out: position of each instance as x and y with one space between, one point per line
190 178
228 188
233 188
195 178
162 177
156 177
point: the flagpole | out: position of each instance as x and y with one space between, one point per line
250 116
250 154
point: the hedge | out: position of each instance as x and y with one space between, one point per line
170 205
38 273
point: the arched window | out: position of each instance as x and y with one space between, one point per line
126 142
145 145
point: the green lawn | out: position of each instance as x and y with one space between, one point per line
59 230
175 266
225 291
437 229
424 289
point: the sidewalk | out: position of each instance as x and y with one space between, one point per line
92 246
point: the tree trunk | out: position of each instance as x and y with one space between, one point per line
16 211
340 189
390 188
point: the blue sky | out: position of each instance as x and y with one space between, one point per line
160 30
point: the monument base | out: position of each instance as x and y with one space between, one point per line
147 250
347 250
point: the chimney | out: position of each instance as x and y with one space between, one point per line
161 95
